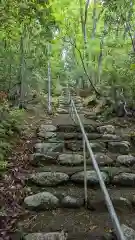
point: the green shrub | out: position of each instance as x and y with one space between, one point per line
55 102
2 132
15 119
17 114
10 125
3 165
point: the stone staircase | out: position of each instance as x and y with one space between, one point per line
56 203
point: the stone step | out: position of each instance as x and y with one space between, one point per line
53 176
93 234
60 146
70 170
66 124
65 110
56 145
75 128
123 198
68 109
62 110
64 121
76 159
78 108
107 131
51 132
67 106
73 216
122 147
66 103
90 136
45 236
69 158
77 135
74 145
64 100
74 136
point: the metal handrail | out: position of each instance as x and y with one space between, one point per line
108 201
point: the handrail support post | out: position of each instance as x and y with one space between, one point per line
85 173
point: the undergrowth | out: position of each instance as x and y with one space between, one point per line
10 127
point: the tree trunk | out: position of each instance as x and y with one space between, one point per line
94 20
49 83
101 51
22 69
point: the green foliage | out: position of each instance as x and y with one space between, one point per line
107 113
105 58
10 127
57 90
109 56
15 118
3 164
55 102
25 31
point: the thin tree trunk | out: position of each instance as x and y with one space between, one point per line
128 29
85 20
101 51
94 20
130 35
81 17
22 69
93 34
125 31
49 83
117 30
128 20
10 77
84 30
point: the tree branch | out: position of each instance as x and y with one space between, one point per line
74 44
81 16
